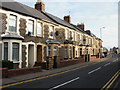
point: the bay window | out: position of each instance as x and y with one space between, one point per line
15 51
66 52
55 51
49 50
12 23
5 50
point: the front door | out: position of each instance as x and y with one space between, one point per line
73 52
39 53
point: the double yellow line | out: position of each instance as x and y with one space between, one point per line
111 81
45 76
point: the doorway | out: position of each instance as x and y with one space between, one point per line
73 52
30 55
39 53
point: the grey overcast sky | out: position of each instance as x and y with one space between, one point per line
93 13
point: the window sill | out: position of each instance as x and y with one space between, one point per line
40 36
15 61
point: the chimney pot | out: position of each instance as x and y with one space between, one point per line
82 26
40 6
67 19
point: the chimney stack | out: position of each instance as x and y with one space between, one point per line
88 32
67 18
40 6
82 26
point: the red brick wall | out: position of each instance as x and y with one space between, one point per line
70 62
93 58
22 71
4 72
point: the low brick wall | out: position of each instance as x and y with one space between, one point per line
22 71
71 62
4 72
93 58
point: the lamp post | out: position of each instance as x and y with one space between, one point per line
101 32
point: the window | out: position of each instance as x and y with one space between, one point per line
80 51
15 51
39 29
5 50
31 27
76 36
80 37
70 49
51 28
12 23
86 40
66 52
73 35
66 34
55 51
49 50
92 40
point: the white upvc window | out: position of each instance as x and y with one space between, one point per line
49 51
81 37
76 36
70 50
31 27
92 40
15 51
12 23
39 29
86 40
5 50
66 34
55 51
73 36
51 32
66 52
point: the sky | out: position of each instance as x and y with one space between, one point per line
93 13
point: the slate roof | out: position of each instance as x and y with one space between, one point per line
59 21
25 10
29 11
12 36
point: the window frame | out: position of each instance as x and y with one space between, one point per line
50 31
17 51
55 50
33 30
73 36
49 50
66 34
11 18
6 52
39 29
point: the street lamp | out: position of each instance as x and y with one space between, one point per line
101 32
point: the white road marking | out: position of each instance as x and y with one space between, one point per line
106 64
64 83
115 60
94 70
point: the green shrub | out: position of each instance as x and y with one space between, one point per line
6 64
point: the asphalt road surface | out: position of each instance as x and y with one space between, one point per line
99 75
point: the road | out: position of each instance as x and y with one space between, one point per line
99 75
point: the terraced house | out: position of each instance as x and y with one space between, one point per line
31 35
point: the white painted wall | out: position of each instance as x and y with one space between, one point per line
33 53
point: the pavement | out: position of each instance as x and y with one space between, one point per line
6 81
